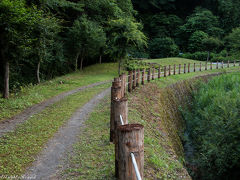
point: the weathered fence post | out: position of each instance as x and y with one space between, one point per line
188 67
134 79
234 63
165 71
211 66
169 70
159 72
174 69
124 76
217 65
116 93
222 64
194 67
149 75
206 66
143 76
138 78
184 70
179 69
228 64
130 140
130 74
200 68
153 73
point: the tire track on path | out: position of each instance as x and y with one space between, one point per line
11 123
52 157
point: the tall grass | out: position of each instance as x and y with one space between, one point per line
213 122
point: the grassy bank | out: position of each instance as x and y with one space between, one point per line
34 94
18 148
171 61
153 106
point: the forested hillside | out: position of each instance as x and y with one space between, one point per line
41 39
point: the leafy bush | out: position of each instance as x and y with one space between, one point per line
214 126
224 59
130 65
201 56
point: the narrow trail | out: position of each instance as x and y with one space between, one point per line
49 161
10 124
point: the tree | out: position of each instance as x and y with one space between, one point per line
87 37
163 47
124 33
210 44
232 42
195 42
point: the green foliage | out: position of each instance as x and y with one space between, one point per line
196 41
201 56
232 42
213 122
130 65
163 47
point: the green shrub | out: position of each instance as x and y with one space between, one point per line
130 65
214 127
201 56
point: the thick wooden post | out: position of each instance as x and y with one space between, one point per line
200 68
211 66
228 64
116 93
153 73
138 78
179 69
184 70
222 64
130 140
188 67
234 63
194 67
130 74
159 72
143 76
165 71
217 65
169 70
149 75
134 79
206 66
174 69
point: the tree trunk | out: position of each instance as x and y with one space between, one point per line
81 65
38 71
76 61
6 80
208 56
100 59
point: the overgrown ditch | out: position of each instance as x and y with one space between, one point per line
169 150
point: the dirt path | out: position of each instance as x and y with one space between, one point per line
10 124
52 157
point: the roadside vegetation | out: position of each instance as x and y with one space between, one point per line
34 94
19 148
213 126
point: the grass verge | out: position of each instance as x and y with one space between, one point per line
34 94
171 61
18 148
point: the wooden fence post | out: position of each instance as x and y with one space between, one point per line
205 66
149 75
194 67
116 93
169 70
234 63
188 67
184 70
165 71
217 65
228 64
130 74
134 79
124 76
153 73
159 72
211 66
174 69
179 69
222 64
200 68
143 76
138 78
130 140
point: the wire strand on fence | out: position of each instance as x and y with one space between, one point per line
136 167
